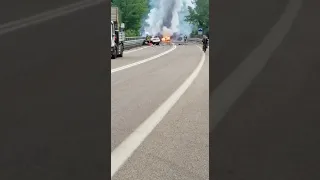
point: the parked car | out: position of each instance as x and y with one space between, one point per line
155 40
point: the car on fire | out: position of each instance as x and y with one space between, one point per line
166 39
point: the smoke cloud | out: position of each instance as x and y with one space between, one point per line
166 17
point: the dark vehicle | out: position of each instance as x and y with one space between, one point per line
204 48
117 34
205 42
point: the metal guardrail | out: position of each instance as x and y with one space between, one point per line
198 40
132 42
134 38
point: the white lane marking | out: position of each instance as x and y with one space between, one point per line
14 25
123 152
237 82
134 50
143 61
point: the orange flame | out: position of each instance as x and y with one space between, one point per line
167 38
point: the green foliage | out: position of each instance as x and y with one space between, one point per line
199 16
131 13
131 33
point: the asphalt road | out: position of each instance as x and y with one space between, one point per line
178 148
272 130
54 79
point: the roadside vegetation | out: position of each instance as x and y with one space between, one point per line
199 16
133 11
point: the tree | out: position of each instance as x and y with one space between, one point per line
131 13
199 16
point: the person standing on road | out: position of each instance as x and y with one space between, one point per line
149 39
205 42
185 38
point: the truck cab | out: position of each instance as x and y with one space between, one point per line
117 34
113 40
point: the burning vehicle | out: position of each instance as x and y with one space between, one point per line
166 39
166 19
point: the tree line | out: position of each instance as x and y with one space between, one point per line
131 14
133 11
199 16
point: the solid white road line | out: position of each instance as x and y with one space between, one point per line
143 61
123 152
237 82
14 25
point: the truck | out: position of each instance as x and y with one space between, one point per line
117 34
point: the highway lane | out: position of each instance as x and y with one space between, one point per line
272 130
134 55
54 79
178 146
